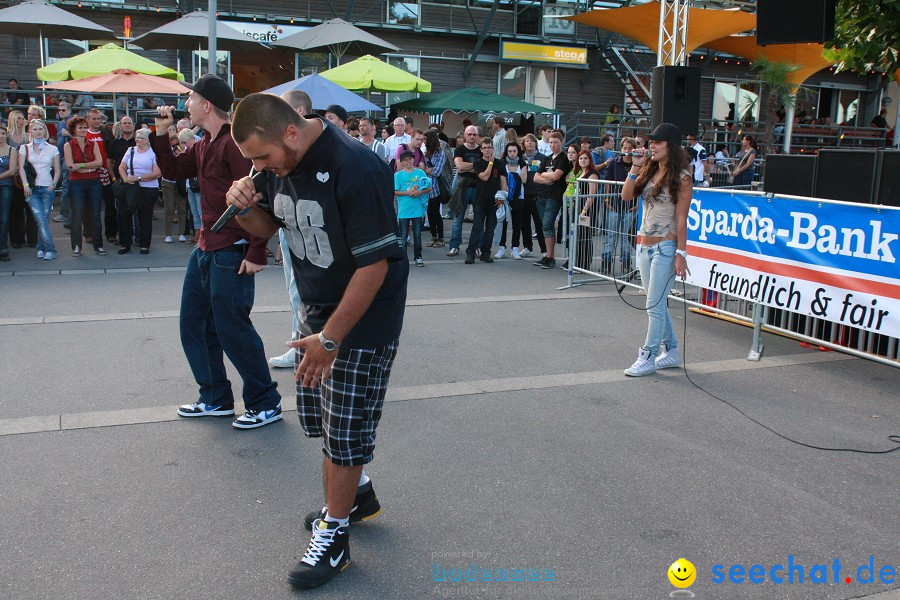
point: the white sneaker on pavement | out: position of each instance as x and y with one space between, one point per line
501 252
515 254
285 361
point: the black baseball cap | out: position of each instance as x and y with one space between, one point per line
215 90
339 111
406 154
666 132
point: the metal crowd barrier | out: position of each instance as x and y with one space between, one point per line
600 249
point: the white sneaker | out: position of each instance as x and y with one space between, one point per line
40 254
285 361
515 254
501 252
525 252
169 239
181 238
670 359
644 365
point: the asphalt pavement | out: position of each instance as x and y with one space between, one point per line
511 447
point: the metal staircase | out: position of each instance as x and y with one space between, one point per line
635 82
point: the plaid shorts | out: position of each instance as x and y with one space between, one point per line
345 409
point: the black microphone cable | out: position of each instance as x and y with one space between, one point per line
893 438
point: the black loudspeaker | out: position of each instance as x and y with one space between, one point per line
887 191
847 175
790 174
676 98
783 22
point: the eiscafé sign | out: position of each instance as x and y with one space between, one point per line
264 33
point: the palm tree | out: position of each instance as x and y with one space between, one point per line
774 77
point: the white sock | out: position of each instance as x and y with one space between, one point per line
340 522
363 478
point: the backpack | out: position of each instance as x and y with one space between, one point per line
393 163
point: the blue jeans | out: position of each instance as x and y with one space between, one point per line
456 234
657 265
291 284
548 208
416 224
41 203
86 194
484 221
194 202
6 192
215 318
618 229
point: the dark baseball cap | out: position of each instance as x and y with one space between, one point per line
406 154
339 111
215 90
666 132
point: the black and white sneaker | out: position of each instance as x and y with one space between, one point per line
257 418
365 507
199 409
327 555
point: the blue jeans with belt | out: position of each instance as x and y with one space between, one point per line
215 320
657 265
41 203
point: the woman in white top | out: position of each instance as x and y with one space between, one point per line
666 184
138 167
44 157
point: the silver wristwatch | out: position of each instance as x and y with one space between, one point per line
329 345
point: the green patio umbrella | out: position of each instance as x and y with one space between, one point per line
373 74
103 60
470 100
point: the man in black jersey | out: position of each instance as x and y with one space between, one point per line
334 199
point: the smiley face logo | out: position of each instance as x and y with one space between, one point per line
682 573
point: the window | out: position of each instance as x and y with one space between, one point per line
410 65
403 13
513 81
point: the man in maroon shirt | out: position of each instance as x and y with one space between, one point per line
219 282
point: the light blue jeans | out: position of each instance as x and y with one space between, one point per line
657 265
194 202
41 203
291 284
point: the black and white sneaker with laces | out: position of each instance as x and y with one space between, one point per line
365 507
327 555
199 409
257 418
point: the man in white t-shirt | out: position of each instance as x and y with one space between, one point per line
400 137
698 159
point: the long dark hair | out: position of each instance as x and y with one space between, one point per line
432 143
676 162
592 168
519 155
752 141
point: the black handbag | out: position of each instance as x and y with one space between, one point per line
30 172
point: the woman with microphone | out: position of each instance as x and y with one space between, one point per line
665 181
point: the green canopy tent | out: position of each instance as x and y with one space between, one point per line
103 60
370 73
470 100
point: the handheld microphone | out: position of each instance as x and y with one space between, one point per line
632 153
259 184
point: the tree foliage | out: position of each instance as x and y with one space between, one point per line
866 36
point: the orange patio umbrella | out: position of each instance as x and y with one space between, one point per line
120 81
641 23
